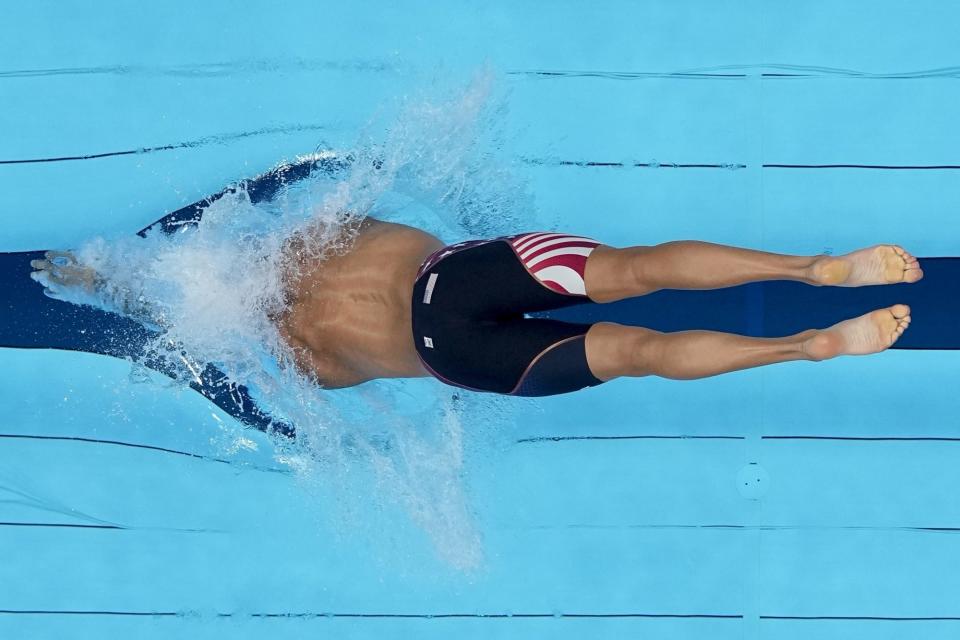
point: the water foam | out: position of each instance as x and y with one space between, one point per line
213 289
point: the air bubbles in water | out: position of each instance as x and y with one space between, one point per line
214 289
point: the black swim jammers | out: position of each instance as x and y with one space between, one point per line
469 306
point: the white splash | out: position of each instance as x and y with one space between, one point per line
213 288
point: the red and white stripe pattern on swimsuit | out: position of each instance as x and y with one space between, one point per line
557 260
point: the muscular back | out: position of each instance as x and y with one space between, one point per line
348 319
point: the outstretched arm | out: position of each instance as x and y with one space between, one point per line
65 278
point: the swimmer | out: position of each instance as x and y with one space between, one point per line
399 303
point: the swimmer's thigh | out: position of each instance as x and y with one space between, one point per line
523 357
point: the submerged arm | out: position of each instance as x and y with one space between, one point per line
65 278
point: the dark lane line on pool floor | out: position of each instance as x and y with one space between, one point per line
149 447
64 525
228 68
531 440
742 527
868 438
542 162
102 527
741 71
891 167
193 615
634 437
790 437
655 164
209 69
426 616
598 527
879 618
189 144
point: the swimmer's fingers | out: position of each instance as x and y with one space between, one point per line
53 293
51 289
51 274
46 278
42 276
41 264
49 269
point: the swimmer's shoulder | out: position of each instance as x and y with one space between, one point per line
400 232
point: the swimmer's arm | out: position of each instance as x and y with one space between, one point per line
65 278
131 304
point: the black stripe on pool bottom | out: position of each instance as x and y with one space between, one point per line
544 162
189 144
743 527
683 437
880 618
891 167
501 616
133 445
425 616
741 71
627 75
869 438
636 437
732 527
222 139
733 165
64 525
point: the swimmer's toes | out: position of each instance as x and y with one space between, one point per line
908 258
900 311
901 266
900 323
894 263
913 273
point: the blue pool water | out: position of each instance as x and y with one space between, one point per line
796 501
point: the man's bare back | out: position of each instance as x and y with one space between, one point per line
349 317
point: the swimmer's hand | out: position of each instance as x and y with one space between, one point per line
64 278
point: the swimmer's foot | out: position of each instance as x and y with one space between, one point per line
879 264
870 333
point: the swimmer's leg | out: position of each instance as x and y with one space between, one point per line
613 274
616 350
